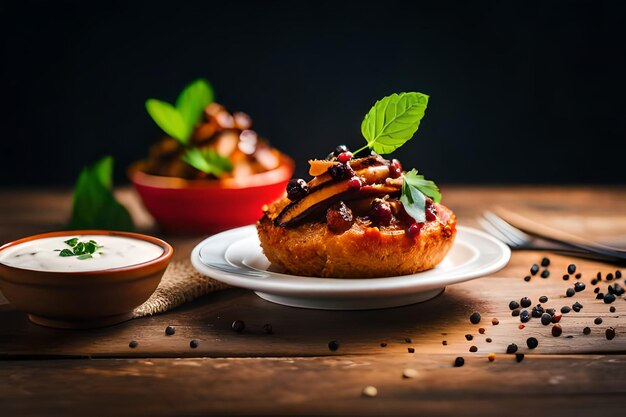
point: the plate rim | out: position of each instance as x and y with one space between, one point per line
344 287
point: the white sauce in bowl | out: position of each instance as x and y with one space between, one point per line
116 252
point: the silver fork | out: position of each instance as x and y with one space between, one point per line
519 240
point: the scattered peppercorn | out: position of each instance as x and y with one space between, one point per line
513 305
596 290
193 344
488 340
527 278
577 306
545 273
495 321
383 344
515 312
551 311
557 330
545 262
609 277
473 349
619 290
469 337
534 269
578 275
475 318
579 286
537 311
524 316
170 330
238 326
519 357
565 309
491 357
612 309
411 350
571 268
133 344
525 302
444 342
599 276
610 333
609 298
512 348
570 292
459 361
333 345
587 330
481 330
543 299
565 277
546 319
618 274
408 340
532 342
598 320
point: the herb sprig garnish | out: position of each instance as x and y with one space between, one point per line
82 250
95 205
180 120
392 121
389 124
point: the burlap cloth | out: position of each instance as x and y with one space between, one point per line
180 284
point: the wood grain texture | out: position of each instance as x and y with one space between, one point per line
293 372
555 386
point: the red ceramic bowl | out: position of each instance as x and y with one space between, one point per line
209 206
74 300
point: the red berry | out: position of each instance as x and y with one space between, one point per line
395 168
431 213
415 229
380 212
355 182
344 157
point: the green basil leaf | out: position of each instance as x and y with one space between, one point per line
95 206
66 252
169 119
193 100
414 202
72 242
79 249
426 187
90 247
393 121
208 161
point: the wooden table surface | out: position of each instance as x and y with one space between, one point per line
292 371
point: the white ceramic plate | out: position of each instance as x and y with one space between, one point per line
235 258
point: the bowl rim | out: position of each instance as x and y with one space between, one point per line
282 172
168 251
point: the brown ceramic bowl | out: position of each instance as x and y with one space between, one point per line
75 300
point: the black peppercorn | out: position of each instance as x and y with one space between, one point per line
571 268
193 344
532 342
170 330
333 345
459 361
513 305
475 318
570 292
525 302
579 286
238 326
534 269
545 273
512 348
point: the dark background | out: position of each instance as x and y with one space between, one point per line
521 92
